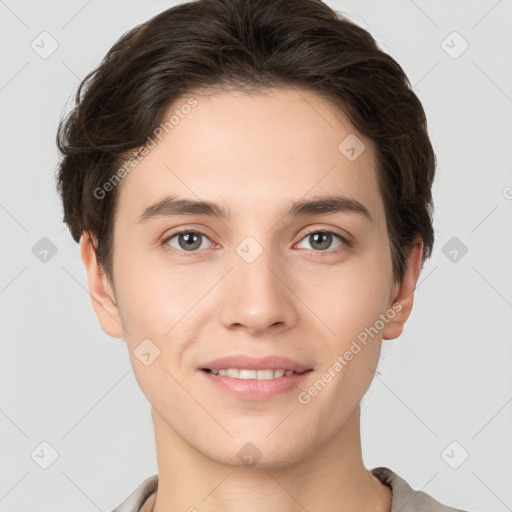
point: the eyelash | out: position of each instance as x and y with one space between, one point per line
188 254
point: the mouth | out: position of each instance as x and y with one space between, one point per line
250 384
248 373
246 377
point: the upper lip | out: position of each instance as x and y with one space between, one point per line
243 361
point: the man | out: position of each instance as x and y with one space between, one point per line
250 184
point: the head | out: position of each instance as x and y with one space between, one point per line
254 108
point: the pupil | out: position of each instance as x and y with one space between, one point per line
190 240
327 239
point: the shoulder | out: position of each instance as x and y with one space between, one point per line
142 498
405 498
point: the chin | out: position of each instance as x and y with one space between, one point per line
256 454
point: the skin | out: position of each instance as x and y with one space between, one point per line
254 154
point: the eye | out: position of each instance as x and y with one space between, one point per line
322 240
187 240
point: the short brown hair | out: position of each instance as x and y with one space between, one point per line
246 44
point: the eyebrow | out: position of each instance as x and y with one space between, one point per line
172 206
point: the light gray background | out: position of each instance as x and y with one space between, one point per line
447 378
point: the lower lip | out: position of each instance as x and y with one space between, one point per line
255 389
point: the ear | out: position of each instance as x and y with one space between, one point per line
100 290
403 293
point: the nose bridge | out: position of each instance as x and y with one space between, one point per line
255 294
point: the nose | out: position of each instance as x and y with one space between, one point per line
258 296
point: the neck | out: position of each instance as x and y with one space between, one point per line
333 473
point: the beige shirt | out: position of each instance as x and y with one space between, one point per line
405 499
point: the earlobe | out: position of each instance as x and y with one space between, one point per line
100 291
403 299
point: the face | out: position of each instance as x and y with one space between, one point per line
260 282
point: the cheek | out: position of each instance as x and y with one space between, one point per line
353 348
153 296
358 295
164 311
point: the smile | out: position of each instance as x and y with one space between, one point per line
255 385
264 374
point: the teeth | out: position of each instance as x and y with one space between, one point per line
237 373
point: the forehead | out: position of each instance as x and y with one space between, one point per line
252 151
